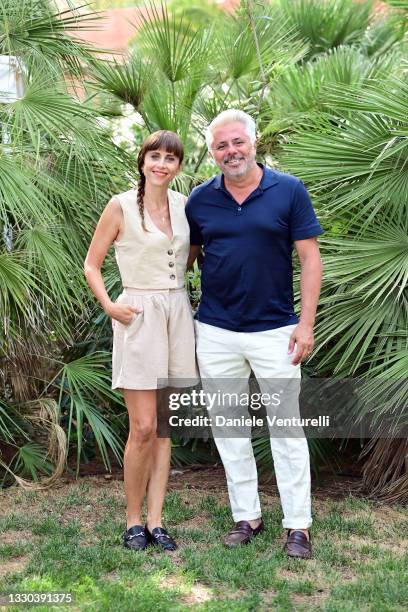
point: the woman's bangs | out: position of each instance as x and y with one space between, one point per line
169 141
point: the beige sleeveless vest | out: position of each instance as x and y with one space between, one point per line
148 259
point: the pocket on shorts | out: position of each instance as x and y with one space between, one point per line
128 330
136 320
131 330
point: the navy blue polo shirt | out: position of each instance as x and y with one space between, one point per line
247 277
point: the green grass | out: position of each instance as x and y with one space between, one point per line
70 540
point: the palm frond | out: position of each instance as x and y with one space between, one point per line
300 89
327 25
385 473
9 424
128 81
353 332
39 37
358 165
185 452
310 86
387 98
30 461
20 199
382 401
45 111
80 382
278 43
167 108
48 257
398 4
179 51
384 35
17 287
374 264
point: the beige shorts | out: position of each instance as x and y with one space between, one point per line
157 348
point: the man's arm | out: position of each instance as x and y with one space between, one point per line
310 282
193 254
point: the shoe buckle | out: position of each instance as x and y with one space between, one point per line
135 535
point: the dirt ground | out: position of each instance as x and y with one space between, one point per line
212 478
192 482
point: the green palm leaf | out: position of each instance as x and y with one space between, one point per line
327 25
17 287
278 44
353 331
44 111
178 49
304 88
9 424
128 81
167 108
20 198
380 401
358 165
30 460
355 160
80 383
398 4
387 98
375 265
33 32
385 35
47 256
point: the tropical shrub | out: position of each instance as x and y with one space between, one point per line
56 162
326 83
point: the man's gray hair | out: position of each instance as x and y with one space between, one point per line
228 116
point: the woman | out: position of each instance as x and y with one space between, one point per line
153 332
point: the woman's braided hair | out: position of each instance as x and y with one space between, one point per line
163 139
140 196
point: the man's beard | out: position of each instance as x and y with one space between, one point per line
240 170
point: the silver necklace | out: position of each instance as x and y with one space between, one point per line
166 216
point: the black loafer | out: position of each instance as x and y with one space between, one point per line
159 537
136 538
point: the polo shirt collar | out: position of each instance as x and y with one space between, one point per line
269 178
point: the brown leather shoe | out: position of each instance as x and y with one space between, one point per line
242 533
297 545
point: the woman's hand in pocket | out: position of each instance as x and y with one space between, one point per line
124 313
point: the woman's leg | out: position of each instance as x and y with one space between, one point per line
157 485
141 406
160 465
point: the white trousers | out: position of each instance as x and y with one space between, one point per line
224 354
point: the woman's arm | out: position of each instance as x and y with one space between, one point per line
107 230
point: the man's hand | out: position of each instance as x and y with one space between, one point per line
302 336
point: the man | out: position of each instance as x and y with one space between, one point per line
247 220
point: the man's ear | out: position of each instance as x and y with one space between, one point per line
210 156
